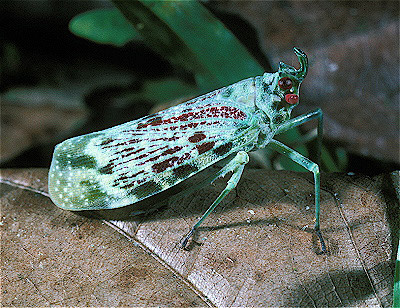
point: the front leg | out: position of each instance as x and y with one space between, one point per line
311 166
316 114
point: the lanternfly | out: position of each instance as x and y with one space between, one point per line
125 164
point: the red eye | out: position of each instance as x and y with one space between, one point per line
285 83
292 99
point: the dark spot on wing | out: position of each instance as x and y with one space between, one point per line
204 147
223 149
107 169
146 189
123 180
93 191
184 171
162 166
77 161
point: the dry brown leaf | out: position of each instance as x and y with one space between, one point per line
24 126
257 249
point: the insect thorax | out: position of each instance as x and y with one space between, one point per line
270 98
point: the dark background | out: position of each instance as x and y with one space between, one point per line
55 85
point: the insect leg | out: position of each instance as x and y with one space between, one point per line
305 118
311 166
236 165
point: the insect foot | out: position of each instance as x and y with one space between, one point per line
186 238
321 240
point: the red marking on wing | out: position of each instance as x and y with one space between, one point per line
226 112
151 121
127 151
166 152
152 142
172 150
197 137
170 162
189 125
126 142
204 147
142 156
162 166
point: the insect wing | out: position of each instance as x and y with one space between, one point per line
127 163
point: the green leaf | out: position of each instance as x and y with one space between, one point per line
189 36
104 26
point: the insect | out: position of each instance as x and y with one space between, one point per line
127 163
